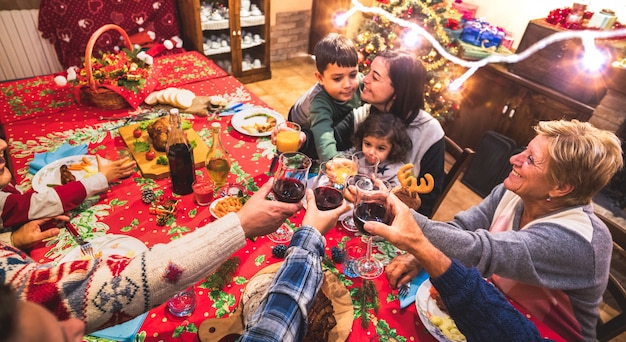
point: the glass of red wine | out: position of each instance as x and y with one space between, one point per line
291 176
366 167
370 205
290 181
327 190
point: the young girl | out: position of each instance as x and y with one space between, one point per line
383 135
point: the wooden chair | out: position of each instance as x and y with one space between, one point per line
617 325
462 157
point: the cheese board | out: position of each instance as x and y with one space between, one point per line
150 168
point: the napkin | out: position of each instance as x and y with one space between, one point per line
66 150
124 332
415 284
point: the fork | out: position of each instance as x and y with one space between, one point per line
85 246
404 290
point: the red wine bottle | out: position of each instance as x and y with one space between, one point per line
179 157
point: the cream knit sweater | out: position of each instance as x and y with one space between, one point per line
108 291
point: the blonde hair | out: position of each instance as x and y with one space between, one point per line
582 156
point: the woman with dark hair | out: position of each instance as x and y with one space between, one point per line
395 84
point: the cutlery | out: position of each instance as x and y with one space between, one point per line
85 246
231 110
404 290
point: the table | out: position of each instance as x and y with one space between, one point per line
121 211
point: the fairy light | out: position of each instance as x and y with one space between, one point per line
593 59
411 39
473 66
341 19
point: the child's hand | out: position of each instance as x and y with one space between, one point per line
116 169
32 232
276 130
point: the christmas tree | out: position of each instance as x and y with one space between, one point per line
378 34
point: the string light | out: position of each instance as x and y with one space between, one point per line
588 36
593 59
341 19
411 39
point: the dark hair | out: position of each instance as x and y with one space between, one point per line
335 49
8 313
408 77
385 126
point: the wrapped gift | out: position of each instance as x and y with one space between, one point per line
468 11
453 28
480 33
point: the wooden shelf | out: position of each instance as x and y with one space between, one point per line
196 32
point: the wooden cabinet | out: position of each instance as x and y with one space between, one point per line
233 33
498 100
560 65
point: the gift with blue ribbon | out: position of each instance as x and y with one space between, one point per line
479 33
66 150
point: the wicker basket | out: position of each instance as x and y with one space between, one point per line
99 96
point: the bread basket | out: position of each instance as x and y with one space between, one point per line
94 93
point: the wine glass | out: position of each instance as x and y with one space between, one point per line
370 205
291 175
366 164
289 186
339 169
366 167
328 187
287 140
349 195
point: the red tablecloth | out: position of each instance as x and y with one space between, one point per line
121 211
40 96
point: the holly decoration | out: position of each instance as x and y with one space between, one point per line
123 69
165 209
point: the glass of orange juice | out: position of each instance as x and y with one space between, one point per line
287 137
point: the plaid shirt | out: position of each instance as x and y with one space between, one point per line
282 314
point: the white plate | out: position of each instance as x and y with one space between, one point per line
239 120
212 207
50 174
111 244
213 204
426 306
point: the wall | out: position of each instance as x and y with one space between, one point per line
514 15
290 23
290 35
278 6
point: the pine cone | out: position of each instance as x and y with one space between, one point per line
162 219
148 196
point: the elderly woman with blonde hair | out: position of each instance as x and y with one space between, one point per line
536 235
